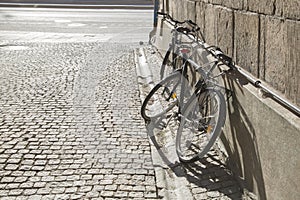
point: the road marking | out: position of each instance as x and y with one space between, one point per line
54 37
13 48
76 25
62 21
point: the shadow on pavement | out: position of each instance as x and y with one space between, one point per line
207 177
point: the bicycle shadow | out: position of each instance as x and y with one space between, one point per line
162 141
240 140
207 177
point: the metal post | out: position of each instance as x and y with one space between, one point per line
156 5
155 20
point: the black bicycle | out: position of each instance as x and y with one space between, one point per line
193 99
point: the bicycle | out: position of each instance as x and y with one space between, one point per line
197 104
171 60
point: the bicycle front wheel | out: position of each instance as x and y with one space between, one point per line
200 124
162 98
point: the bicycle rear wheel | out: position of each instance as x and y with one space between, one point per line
200 124
171 62
162 98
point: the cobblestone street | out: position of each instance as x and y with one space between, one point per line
70 128
71 87
70 125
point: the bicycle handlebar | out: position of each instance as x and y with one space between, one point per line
219 55
191 22
194 27
176 22
215 51
222 57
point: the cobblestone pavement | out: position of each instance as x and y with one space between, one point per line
70 126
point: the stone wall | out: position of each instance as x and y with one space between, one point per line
261 35
260 138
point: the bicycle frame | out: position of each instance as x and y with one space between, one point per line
206 80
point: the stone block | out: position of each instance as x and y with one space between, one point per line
200 15
210 24
172 8
288 9
246 41
186 10
292 61
205 1
181 10
235 4
261 64
224 34
216 2
191 10
262 6
280 56
274 52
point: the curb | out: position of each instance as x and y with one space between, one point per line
76 6
170 177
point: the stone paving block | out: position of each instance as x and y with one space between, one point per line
82 135
12 186
29 192
7 179
201 196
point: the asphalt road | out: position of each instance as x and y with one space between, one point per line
74 25
95 2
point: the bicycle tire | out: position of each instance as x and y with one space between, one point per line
162 98
171 62
203 118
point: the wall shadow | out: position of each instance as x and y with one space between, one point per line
240 141
210 174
